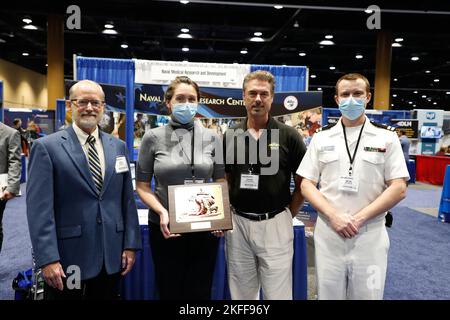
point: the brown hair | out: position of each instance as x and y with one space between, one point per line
262 76
173 85
353 76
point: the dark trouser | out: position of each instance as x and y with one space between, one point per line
2 208
102 287
184 266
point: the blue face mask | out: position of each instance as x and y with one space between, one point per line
184 112
352 108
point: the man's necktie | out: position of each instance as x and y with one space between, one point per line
94 163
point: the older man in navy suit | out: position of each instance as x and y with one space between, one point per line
80 204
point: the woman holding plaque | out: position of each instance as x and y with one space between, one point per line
184 264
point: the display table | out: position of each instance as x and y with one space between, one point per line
444 207
431 169
139 284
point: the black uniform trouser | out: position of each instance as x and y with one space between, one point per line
184 266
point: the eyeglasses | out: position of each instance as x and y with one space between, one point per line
83 103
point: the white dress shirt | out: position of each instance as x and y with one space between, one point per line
82 137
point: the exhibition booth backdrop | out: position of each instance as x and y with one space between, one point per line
221 84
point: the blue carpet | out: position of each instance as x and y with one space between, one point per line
416 198
419 259
16 251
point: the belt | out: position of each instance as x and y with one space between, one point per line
258 216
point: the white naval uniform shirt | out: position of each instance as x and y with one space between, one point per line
379 159
82 137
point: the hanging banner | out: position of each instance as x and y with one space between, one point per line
410 126
224 103
114 95
216 75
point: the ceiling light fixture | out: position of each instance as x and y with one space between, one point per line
448 92
415 58
296 25
319 89
398 39
27 20
184 1
109 31
124 45
396 45
257 34
30 27
427 71
184 30
332 67
184 36
395 79
302 54
25 54
359 56
326 42
109 25
329 36
313 76
416 92
278 7
185 49
244 51
436 80
368 11
424 96
394 95
2 41
257 39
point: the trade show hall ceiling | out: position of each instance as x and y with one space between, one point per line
221 31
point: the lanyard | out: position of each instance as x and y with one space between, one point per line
352 159
192 153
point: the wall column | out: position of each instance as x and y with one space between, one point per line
55 59
383 71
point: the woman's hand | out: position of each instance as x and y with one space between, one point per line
164 225
218 233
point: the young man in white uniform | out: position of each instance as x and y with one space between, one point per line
362 174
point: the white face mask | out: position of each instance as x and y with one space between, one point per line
352 108
184 112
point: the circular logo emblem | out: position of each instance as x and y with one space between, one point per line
290 103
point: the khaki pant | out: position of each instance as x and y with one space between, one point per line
353 268
259 254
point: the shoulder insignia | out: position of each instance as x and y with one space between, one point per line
382 126
328 126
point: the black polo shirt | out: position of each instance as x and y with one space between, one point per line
274 189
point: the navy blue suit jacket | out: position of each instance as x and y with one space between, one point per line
68 220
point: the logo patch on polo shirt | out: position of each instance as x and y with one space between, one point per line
274 146
375 149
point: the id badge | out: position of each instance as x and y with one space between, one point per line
249 181
121 164
348 183
196 181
